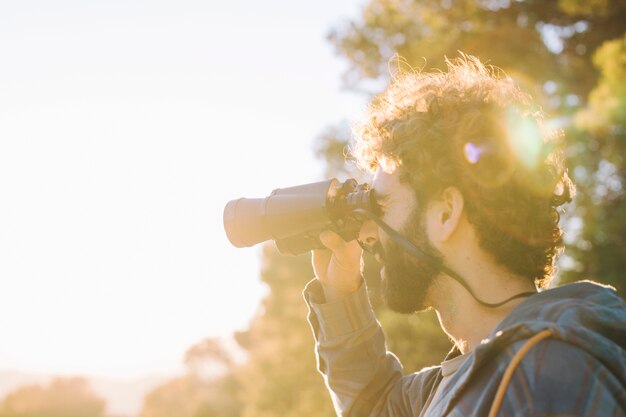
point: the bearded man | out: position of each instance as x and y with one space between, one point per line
469 186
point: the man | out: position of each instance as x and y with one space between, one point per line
469 187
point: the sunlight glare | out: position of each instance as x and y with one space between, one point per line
525 138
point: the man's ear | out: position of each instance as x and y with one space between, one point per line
446 213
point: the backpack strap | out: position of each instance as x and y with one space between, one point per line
508 373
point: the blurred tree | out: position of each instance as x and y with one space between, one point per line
600 250
539 41
192 396
209 388
331 148
280 377
548 47
64 397
208 358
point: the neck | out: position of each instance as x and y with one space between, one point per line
461 317
465 320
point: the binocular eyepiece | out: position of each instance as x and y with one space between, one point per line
294 217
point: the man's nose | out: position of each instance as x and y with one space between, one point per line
369 233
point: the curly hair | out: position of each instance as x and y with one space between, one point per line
472 128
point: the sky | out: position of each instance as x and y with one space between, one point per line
125 127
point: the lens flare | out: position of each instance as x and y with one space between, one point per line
473 152
525 139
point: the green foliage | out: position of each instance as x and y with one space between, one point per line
209 388
600 250
332 148
509 34
280 377
605 114
208 358
64 397
584 7
192 396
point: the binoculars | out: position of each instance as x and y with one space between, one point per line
294 217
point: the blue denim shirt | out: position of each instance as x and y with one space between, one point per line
579 371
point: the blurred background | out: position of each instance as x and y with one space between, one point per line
125 126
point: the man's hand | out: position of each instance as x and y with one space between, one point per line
338 267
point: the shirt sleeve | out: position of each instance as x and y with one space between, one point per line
362 377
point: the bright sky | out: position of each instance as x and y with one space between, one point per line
125 127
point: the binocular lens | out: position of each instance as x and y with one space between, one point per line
294 217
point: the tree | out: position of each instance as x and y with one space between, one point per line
208 358
601 247
208 389
64 397
540 41
191 396
280 376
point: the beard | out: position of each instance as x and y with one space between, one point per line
405 280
